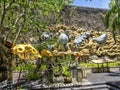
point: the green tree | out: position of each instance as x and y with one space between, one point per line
22 16
112 18
19 17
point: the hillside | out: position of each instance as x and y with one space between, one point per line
88 18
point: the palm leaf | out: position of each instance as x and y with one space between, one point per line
109 15
114 27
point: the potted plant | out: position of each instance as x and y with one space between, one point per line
57 71
66 74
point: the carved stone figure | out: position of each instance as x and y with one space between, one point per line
100 39
63 38
45 35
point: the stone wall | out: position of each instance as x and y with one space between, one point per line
88 18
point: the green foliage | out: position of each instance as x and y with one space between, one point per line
56 69
45 44
20 88
30 68
43 67
29 16
22 19
112 18
92 65
33 76
24 67
65 71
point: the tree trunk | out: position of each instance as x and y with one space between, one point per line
9 72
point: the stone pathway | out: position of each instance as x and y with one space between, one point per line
92 78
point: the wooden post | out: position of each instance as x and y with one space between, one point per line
49 71
9 72
79 74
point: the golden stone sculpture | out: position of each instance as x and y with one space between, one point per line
89 46
26 51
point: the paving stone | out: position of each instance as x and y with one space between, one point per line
103 77
92 78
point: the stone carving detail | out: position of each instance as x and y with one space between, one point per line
76 39
45 35
100 39
63 38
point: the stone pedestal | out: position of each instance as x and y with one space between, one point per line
79 74
73 72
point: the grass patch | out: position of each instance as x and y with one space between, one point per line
24 67
93 65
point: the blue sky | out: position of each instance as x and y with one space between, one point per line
93 3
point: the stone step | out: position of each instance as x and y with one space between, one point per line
75 87
93 87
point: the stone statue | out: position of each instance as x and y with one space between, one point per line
81 38
45 35
63 38
100 39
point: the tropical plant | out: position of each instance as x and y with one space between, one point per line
43 67
92 65
112 18
65 71
26 16
33 76
25 67
21 18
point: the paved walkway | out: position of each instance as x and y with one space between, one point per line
96 78
92 78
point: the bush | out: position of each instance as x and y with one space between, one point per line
65 71
93 65
33 76
24 67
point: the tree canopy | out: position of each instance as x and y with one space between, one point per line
19 17
112 18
